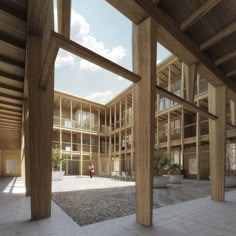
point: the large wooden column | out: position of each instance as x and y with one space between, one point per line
40 24
217 106
144 61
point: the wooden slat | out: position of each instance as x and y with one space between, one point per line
231 73
13 88
12 25
11 76
10 116
64 14
200 12
225 58
11 96
93 57
10 110
187 105
18 43
11 104
218 37
11 61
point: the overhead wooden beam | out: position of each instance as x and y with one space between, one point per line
196 15
11 97
10 117
231 73
7 131
172 38
12 61
13 88
218 36
10 113
64 13
11 76
225 58
5 103
48 67
187 105
13 111
93 57
12 40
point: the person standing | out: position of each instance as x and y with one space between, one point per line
91 170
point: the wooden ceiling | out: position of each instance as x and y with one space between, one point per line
196 31
13 17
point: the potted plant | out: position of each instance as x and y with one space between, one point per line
161 161
174 173
57 159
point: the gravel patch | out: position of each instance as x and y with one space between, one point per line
96 205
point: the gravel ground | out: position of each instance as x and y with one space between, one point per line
95 205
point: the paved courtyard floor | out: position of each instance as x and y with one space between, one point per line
200 217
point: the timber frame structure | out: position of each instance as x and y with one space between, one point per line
200 33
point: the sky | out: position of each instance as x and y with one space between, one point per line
98 26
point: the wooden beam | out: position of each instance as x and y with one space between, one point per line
11 76
9 114
93 57
171 37
12 61
231 73
13 88
225 58
187 105
217 137
144 63
12 40
5 103
10 110
48 67
196 15
218 36
11 97
64 13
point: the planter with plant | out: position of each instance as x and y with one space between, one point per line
174 174
160 161
57 159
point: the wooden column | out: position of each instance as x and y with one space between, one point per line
144 61
109 133
60 134
217 136
156 114
182 138
169 134
233 112
81 140
198 143
71 133
120 135
99 142
132 133
40 23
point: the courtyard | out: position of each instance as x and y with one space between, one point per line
89 201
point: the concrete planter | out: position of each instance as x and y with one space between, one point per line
230 181
175 179
57 175
160 181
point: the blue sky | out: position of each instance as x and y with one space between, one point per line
98 26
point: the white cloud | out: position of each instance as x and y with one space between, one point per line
101 97
80 32
64 59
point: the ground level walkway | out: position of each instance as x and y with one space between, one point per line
197 217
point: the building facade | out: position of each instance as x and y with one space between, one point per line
103 134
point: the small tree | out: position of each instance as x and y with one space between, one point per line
174 169
57 159
161 160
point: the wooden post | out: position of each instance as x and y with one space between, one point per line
182 138
81 140
156 114
198 143
132 133
60 138
233 112
217 136
169 134
144 61
99 142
